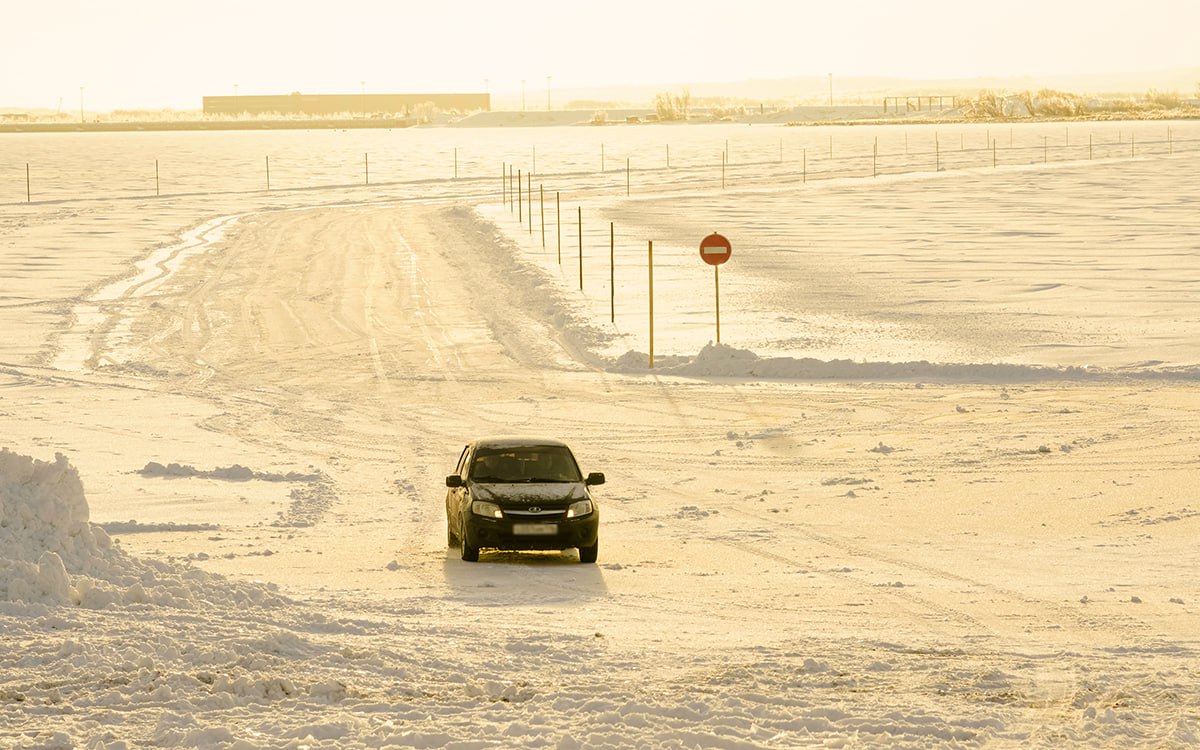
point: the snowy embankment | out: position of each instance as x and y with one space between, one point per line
724 361
51 554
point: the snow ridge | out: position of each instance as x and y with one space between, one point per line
724 361
51 554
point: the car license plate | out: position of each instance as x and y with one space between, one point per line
535 529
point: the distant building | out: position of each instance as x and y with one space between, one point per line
334 104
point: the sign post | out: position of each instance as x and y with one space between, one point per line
715 250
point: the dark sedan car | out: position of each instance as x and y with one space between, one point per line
521 494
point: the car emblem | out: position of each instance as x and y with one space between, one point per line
535 509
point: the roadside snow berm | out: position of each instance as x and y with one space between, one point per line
51 554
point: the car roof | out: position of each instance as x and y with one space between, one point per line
510 441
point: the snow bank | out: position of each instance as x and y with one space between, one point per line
234 473
51 554
724 361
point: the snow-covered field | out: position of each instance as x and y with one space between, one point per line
937 487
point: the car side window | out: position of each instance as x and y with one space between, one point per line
462 461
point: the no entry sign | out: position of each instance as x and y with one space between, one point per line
715 249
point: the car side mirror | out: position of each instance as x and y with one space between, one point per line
594 478
454 480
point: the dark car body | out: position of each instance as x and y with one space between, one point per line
513 493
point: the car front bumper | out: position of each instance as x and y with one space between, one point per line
522 534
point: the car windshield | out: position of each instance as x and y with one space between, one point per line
528 464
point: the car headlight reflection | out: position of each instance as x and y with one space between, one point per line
486 509
581 508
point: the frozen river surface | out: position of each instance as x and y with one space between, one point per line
935 491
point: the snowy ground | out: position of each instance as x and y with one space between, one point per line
811 537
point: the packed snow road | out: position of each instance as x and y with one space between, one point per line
782 564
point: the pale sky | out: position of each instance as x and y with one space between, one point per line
160 53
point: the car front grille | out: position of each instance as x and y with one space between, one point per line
548 514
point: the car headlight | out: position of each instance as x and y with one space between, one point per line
487 510
581 508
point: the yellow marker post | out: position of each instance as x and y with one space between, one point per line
612 274
717 289
650 266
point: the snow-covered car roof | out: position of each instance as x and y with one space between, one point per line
517 442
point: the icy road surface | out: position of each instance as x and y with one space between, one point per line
263 416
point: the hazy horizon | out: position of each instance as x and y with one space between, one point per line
135 53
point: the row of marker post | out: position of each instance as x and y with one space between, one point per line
517 193
725 161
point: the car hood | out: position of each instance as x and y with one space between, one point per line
556 493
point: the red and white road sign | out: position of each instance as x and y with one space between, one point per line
715 249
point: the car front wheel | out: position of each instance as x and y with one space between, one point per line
469 553
588 554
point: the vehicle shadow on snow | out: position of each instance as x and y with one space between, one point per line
523 577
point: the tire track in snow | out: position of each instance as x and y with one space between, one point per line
1090 622
947 613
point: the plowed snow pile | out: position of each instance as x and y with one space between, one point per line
51 554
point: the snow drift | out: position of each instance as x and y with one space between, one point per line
51 554
724 361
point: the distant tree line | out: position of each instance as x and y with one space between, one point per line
1052 103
